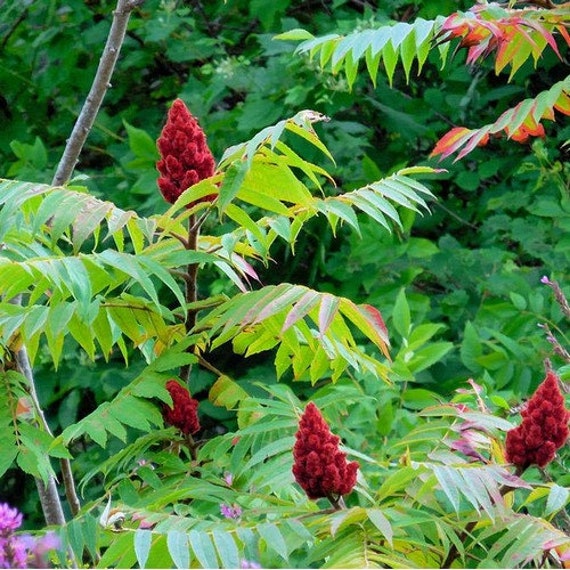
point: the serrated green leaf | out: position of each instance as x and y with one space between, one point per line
379 520
231 184
557 499
274 539
132 266
390 59
75 536
226 392
448 480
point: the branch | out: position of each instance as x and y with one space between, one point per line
556 346
101 83
191 289
49 496
50 501
559 295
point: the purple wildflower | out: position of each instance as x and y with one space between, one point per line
228 478
12 549
47 542
23 551
37 548
230 512
545 280
13 553
10 519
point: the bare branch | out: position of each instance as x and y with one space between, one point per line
49 496
101 83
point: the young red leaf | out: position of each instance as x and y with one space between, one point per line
451 141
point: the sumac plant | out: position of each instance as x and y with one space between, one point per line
277 488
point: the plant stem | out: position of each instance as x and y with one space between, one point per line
337 502
191 290
560 298
191 447
47 490
99 87
54 512
49 496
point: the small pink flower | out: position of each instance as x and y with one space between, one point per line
230 512
144 524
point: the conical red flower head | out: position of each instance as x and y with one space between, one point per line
184 411
185 156
320 467
544 428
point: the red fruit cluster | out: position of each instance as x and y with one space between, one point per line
185 156
544 428
184 411
320 467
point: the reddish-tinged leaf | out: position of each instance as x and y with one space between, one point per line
523 133
301 308
451 141
482 50
563 32
563 103
374 315
543 32
327 311
508 35
368 320
244 266
480 137
474 37
454 23
275 306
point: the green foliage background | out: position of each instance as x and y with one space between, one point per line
459 287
